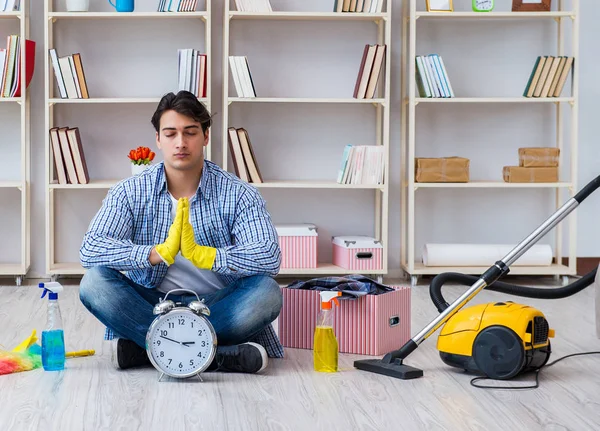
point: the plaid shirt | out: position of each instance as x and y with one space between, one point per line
228 214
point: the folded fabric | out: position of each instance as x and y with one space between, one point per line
352 286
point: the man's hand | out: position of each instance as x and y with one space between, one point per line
169 249
202 257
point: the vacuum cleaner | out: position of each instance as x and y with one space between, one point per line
497 340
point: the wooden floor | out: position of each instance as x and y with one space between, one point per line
91 395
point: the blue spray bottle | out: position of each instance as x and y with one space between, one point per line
53 339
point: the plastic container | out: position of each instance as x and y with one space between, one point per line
325 350
53 338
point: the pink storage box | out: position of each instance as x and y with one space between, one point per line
370 325
298 243
357 253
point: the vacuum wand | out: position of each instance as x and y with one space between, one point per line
391 364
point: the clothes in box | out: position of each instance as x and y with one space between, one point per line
298 243
368 325
538 157
518 174
357 253
442 170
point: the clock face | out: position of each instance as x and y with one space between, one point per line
181 343
483 5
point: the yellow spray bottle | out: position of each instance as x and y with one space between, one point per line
325 348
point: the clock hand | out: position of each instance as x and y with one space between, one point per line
170 339
186 343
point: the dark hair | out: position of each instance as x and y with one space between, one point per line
185 103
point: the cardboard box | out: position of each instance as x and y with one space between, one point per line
370 325
538 157
298 244
357 253
518 174
441 170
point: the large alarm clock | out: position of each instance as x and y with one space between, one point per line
483 5
181 342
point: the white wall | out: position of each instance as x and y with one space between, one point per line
138 58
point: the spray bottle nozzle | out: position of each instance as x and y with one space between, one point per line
327 297
53 287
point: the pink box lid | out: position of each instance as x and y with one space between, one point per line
357 242
301 229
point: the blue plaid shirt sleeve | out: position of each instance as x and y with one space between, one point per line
255 248
108 238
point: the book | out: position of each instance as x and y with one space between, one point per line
176 5
11 68
370 71
432 77
69 75
242 153
192 71
548 76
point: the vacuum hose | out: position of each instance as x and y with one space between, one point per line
435 289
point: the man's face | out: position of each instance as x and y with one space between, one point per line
181 141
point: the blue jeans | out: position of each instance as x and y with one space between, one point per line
237 312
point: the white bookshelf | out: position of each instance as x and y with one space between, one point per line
53 100
380 103
23 184
409 141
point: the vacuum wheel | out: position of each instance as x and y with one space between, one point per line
498 352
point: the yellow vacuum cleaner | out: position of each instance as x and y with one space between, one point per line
498 340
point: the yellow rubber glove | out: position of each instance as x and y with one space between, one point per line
201 256
169 249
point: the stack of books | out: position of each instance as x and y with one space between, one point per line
244 161
176 5
192 71
367 6
10 5
70 78
432 78
69 160
548 76
242 79
369 71
362 164
253 5
10 62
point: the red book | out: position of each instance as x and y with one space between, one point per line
29 63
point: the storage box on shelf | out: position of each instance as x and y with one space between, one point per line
16 95
357 253
239 90
298 243
192 63
543 84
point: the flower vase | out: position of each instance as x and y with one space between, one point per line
136 169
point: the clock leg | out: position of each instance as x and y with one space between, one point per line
200 378
161 376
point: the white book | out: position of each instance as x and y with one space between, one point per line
235 75
75 77
58 74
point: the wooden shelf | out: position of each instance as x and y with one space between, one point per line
492 184
9 15
94 184
13 269
11 99
68 268
11 184
325 269
302 100
493 100
126 15
111 100
309 16
554 269
494 15
291 184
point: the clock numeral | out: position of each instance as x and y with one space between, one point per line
182 321
191 362
204 344
192 322
158 342
163 332
199 354
171 325
199 332
170 360
162 354
180 365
